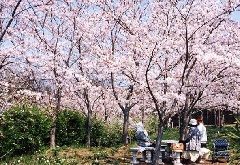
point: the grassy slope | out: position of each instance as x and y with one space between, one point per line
116 155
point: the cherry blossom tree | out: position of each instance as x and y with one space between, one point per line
170 56
173 38
12 14
6 21
118 56
47 46
62 44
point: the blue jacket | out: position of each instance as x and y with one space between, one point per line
142 139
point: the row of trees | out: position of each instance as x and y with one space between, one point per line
120 59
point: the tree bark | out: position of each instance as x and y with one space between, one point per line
53 136
55 115
158 143
184 118
125 126
89 117
89 126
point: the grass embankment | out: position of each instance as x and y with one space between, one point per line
116 155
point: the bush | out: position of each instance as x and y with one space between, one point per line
112 135
235 134
105 135
97 132
71 128
24 129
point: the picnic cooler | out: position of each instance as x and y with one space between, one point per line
177 146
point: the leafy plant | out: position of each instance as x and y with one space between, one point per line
100 155
97 132
24 129
236 133
71 128
106 135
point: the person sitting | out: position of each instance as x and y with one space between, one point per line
142 137
204 152
143 140
192 142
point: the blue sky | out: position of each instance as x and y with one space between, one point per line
236 16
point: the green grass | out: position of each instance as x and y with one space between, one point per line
171 133
116 155
234 143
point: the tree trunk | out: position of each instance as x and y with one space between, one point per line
158 144
222 119
184 118
105 112
215 118
89 117
142 110
89 127
53 136
55 115
125 109
125 126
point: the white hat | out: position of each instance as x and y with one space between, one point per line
193 122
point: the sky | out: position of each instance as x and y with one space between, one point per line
236 16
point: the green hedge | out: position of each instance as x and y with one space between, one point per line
24 129
105 134
71 128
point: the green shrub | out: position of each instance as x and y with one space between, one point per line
131 134
97 132
112 135
105 135
171 133
24 129
151 124
100 155
235 133
71 128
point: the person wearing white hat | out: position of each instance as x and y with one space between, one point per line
192 142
